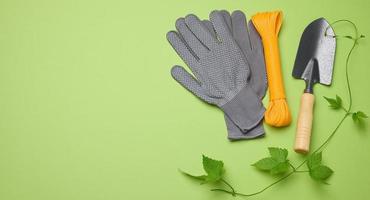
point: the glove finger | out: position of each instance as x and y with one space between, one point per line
200 31
258 79
190 83
178 43
241 34
210 28
193 42
256 42
226 15
220 26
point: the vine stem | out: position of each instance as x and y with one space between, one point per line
252 194
287 175
324 144
229 185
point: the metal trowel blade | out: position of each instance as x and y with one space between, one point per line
315 57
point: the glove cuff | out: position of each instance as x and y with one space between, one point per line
245 109
235 134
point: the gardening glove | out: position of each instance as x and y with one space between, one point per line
250 43
219 66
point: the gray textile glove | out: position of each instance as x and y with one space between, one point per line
250 43
219 66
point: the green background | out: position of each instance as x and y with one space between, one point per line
88 109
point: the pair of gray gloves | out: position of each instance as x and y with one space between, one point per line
225 55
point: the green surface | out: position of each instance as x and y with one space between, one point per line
88 109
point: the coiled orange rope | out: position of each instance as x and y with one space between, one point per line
268 26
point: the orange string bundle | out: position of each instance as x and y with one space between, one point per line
268 26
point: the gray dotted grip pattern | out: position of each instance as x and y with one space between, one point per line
248 39
219 66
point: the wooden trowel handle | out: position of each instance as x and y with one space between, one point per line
304 125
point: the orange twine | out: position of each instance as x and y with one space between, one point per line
268 26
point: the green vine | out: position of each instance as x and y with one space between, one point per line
278 163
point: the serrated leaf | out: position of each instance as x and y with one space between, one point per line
321 172
201 177
277 163
266 164
359 115
280 168
314 160
355 117
278 154
339 100
212 179
333 103
213 168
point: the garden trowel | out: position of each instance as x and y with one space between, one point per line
313 64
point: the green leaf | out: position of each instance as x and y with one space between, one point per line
266 164
339 100
278 154
280 168
362 114
359 115
213 168
314 160
355 117
334 103
321 172
276 164
201 177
